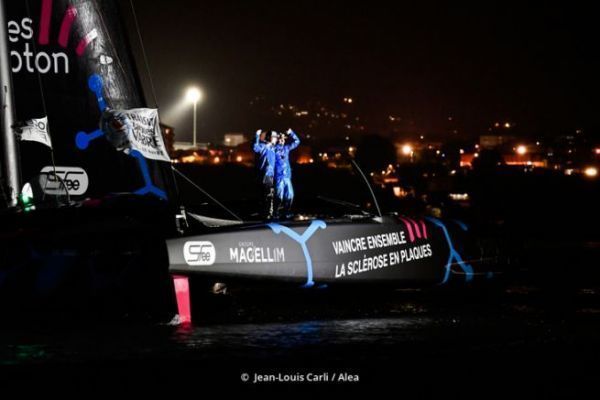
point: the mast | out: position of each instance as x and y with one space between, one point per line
10 159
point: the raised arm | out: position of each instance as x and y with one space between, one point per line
295 139
258 146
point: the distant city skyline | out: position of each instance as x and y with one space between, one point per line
535 68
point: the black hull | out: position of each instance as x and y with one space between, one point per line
97 262
393 251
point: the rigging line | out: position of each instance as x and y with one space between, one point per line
44 108
369 186
150 78
206 193
144 54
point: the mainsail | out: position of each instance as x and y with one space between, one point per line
70 60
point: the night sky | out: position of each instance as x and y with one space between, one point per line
535 67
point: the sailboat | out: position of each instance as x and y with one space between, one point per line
83 223
106 227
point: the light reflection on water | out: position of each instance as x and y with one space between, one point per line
289 335
422 327
130 343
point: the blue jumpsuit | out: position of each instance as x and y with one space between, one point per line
283 172
266 153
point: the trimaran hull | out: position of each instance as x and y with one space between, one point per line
46 251
393 250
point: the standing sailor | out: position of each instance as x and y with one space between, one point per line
266 164
283 172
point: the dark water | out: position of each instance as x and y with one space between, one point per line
520 340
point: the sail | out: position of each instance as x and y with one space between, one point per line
70 60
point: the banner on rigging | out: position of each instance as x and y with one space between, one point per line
36 130
135 129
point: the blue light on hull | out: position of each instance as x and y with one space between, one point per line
301 240
453 255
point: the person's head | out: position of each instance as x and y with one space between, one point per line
272 137
282 138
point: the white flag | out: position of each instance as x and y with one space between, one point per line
36 130
135 129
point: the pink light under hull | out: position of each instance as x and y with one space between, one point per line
182 294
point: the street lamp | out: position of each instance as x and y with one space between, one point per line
194 95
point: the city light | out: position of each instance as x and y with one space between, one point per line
188 159
591 172
521 150
459 196
400 192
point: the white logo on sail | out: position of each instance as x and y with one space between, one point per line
72 179
199 253
23 57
